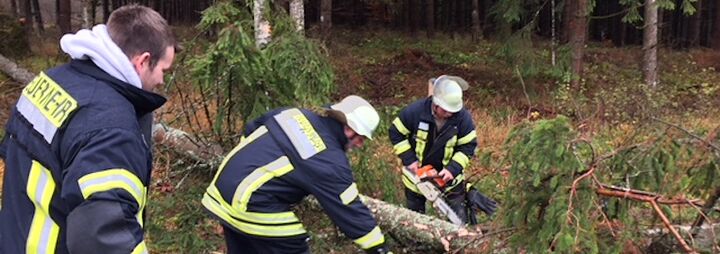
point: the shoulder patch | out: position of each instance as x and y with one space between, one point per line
423 126
46 105
301 133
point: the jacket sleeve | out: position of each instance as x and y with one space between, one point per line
334 187
400 136
103 188
465 146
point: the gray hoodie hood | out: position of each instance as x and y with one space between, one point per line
97 46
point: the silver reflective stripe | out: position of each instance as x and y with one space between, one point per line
137 191
43 234
301 133
349 194
40 123
256 179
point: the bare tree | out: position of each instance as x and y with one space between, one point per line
650 71
476 32
578 31
63 16
695 23
13 8
325 16
715 38
297 12
35 4
430 18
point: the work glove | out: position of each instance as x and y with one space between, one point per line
478 201
381 249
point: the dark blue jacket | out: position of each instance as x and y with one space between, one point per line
284 156
78 160
415 137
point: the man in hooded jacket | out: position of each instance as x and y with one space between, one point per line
77 145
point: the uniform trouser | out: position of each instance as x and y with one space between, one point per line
455 198
238 243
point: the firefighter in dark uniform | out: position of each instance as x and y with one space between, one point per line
76 147
436 131
284 156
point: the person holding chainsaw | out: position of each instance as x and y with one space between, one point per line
435 138
284 156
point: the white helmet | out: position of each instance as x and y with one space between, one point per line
357 113
448 91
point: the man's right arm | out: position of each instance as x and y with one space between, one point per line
400 135
103 188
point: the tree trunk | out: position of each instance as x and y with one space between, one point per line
15 72
325 17
578 31
695 23
475 16
63 16
262 25
650 71
568 17
106 10
26 9
430 18
13 8
715 39
412 16
297 12
38 16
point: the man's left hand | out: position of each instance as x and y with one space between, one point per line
446 175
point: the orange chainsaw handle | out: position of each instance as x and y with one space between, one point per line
428 171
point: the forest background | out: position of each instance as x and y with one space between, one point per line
596 120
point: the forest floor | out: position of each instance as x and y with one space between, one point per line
391 69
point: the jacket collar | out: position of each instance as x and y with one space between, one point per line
143 101
337 130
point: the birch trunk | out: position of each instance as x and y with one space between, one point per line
262 25
297 12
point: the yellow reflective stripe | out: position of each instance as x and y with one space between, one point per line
458 179
302 134
409 183
349 194
141 248
255 217
249 228
420 144
461 159
400 126
257 178
401 147
40 188
50 99
243 142
113 179
374 238
467 138
449 148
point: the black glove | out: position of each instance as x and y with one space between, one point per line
478 201
380 249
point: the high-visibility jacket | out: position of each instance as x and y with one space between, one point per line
77 164
415 137
284 156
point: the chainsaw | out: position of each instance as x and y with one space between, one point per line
430 185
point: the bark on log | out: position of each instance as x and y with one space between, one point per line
17 73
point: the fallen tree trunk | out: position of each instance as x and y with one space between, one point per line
405 226
15 72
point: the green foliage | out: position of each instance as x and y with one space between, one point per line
543 166
240 81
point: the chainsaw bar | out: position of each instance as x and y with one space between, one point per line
434 195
